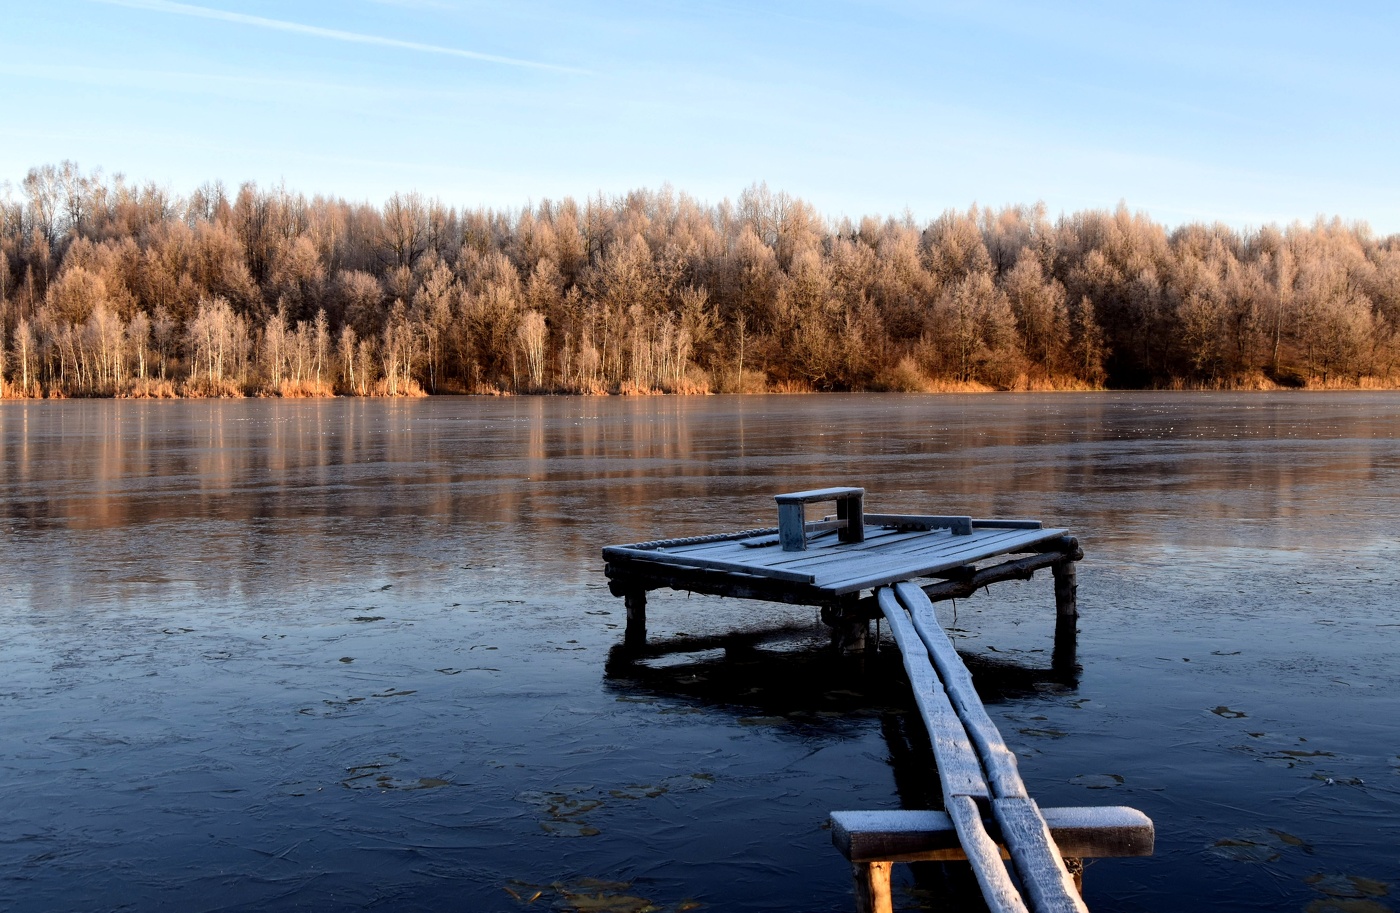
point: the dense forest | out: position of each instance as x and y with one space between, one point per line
112 289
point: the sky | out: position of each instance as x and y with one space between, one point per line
1246 113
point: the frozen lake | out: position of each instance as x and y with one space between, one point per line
351 654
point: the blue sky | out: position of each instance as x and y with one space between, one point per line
1246 113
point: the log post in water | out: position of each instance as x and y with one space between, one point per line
1066 586
1064 657
635 600
850 626
873 886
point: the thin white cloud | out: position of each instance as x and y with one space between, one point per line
416 4
281 25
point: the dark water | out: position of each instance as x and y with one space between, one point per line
355 655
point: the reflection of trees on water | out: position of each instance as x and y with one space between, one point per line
246 490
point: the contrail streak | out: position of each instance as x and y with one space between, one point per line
281 25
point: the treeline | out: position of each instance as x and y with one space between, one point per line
111 289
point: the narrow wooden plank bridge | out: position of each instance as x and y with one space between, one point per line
988 817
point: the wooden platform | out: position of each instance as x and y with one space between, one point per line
820 562
988 814
833 561
895 548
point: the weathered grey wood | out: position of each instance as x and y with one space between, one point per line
708 563
697 540
873 887
894 547
1005 524
819 494
887 544
657 574
900 835
791 516
1025 834
981 539
960 526
1003 775
998 890
906 567
1036 858
1066 589
791 526
958 768
732 543
1017 569
852 510
904 554
623 572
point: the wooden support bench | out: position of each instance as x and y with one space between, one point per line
985 801
874 840
792 521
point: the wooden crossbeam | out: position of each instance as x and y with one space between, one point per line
903 835
875 840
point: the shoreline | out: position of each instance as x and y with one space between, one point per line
8 395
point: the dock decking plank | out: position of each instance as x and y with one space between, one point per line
927 564
998 890
640 555
767 553
1003 774
1033 852
1036 858
958 767
896 549
887 555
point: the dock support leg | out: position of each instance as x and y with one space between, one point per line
1065 657
1066 588
1075 865
636 602
873 887
849 626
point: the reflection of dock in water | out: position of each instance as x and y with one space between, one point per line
858 567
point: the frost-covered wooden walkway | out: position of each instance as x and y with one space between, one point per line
859 566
